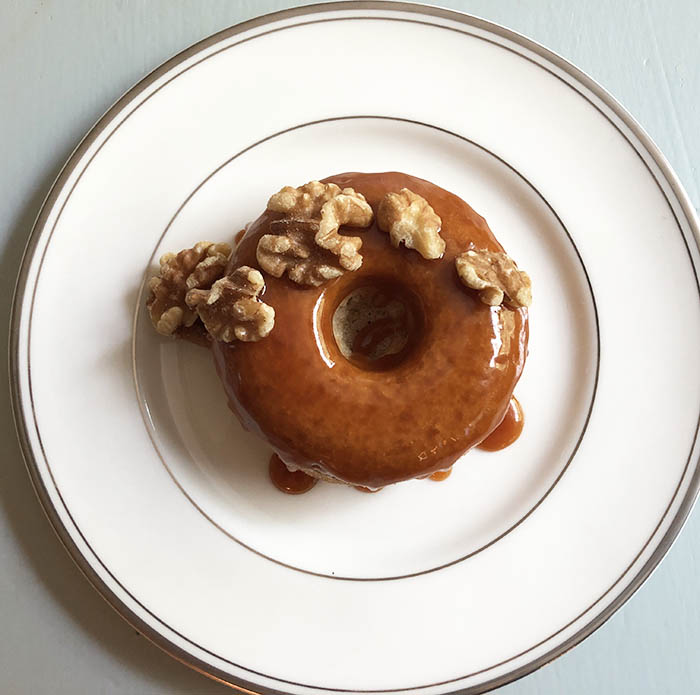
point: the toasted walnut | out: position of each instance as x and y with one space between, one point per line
494 274
408 218
321 208
305 202
231 308
292 248
348 208
197 267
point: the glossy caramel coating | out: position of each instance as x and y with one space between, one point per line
412 417
289 482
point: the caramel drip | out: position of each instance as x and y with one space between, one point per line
439 476
508 431
291 483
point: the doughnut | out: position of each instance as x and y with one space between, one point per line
386 354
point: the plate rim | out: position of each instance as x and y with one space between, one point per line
38 228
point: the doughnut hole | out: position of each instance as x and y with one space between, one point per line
377 325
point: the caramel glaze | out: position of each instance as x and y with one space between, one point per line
292 483
508 431
372 427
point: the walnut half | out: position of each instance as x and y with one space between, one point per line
291 248
410 219
495 276
304 202
314 214
197 267
231 308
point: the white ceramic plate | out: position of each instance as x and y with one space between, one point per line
165 503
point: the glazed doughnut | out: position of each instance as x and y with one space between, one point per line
390 370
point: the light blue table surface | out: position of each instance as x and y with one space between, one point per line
62 63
